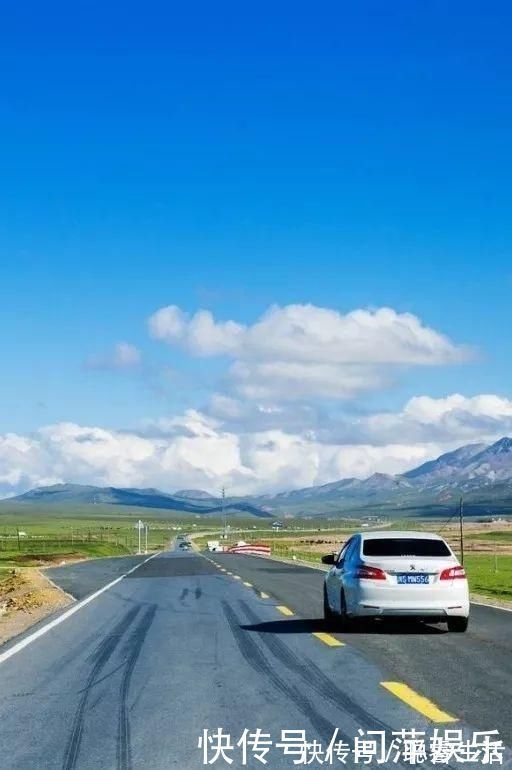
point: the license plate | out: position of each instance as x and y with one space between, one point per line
408 579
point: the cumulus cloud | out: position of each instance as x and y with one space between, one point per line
298 380
449 421
200 334
301 351
248 448
124 356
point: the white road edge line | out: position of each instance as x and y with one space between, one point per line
65 615
492 606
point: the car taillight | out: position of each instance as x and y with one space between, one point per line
364 572
451 573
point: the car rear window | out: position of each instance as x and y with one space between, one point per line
405 546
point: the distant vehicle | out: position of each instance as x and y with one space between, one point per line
184 547
396 574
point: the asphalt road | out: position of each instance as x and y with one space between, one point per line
85 577
133 677
469 674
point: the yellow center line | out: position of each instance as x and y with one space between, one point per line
249 585
264 595
284 610
418 702
328 639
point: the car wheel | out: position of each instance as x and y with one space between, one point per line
327 609
344 622
458 625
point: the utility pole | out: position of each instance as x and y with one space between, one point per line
139 527
461 527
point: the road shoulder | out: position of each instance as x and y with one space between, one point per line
26 598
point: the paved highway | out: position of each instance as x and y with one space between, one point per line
131 678
469 674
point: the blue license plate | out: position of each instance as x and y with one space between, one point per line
408 579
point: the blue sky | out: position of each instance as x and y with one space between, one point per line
233 157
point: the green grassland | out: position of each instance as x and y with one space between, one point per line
488 576
51 552
55 533
493 537
31 537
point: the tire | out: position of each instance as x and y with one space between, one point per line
344 622
458 625
328 616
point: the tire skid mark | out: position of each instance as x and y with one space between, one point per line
314 677
101 658
198 592
136 642
184 594
257 660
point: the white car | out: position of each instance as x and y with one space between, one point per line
396 574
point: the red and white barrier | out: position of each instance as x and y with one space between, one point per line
252 550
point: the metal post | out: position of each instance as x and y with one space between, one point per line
138 527
461 526
146 529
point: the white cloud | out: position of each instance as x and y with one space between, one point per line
124 356
298 380
447 422
459 417
201 334
433 410
301 351
240 445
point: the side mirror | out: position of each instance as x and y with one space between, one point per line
329 559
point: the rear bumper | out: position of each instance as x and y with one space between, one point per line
365 610
432 602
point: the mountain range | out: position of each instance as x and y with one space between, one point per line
481 473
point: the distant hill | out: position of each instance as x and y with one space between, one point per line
77 494
483 474
194 494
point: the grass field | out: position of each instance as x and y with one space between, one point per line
483 579
493 537
40 552
37 539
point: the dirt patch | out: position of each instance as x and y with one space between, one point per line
26 596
